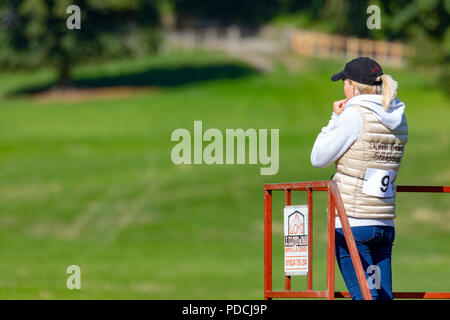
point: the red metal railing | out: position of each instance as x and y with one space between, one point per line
334 204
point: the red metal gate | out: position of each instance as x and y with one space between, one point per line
334 203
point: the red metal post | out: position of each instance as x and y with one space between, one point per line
267 243
287 279
330 246
309 284
298 186
444 189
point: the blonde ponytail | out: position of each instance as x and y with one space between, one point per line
389 90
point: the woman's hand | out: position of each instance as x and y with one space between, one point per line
338 106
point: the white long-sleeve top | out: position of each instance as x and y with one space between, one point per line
335 139
343 130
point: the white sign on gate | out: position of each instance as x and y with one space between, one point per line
296 240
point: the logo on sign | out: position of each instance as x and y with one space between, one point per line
296 230
296 223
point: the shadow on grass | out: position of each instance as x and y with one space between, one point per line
153 77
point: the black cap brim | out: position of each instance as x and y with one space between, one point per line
338 76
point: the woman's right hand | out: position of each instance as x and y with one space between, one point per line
338 106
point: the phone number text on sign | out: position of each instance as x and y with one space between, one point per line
293 262
296 240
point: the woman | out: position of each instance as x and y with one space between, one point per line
365 137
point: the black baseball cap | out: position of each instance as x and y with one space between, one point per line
363 70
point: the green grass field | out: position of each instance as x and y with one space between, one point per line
91 182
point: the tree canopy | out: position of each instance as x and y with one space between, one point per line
34 32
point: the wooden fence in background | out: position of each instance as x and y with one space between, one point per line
271 41
315 44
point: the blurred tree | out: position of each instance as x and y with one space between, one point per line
425 24
431 16
167 13
226 12
346 17
34 32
